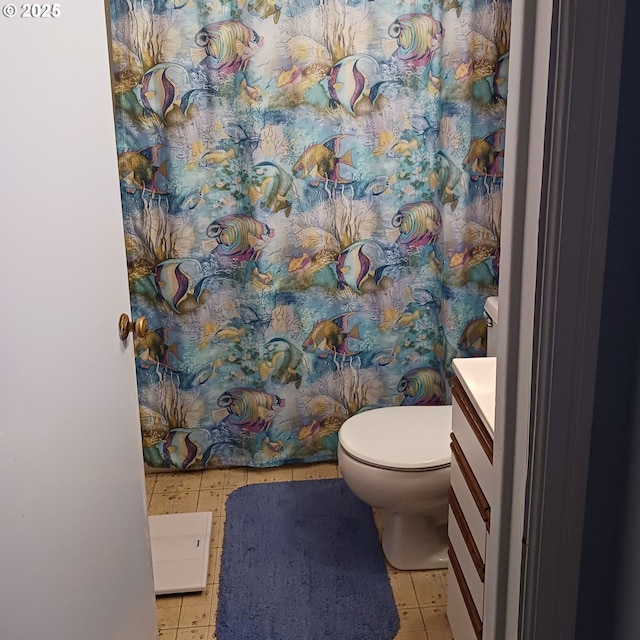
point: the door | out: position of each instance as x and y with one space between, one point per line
74 552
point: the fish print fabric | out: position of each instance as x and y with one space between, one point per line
311 193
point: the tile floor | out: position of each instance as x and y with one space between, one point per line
420 595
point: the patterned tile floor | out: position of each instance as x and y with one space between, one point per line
420 595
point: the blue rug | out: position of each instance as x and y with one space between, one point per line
301 561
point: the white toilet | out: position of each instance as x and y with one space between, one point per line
398 459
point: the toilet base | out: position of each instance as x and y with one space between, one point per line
414 542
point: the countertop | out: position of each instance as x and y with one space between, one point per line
478 377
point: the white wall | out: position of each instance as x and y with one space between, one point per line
524 154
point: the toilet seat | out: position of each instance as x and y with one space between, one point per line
399 438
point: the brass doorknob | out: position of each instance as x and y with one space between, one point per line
139 327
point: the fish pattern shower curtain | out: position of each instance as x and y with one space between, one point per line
311 193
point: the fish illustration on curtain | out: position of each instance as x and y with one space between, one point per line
311 194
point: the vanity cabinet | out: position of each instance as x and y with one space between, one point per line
470 495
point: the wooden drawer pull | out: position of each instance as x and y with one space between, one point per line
474 616
474 420
456 509
474 487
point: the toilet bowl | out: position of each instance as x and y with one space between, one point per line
398 459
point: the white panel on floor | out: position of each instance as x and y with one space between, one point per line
180 551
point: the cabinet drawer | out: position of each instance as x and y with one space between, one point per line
470 494
473 418
473 574
463 617
473 451
461 517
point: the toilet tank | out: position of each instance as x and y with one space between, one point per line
491 313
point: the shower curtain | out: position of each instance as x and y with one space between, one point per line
311 193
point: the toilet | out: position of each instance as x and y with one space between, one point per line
398 459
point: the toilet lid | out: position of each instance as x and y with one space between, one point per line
405 438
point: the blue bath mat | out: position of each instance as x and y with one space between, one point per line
301 561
